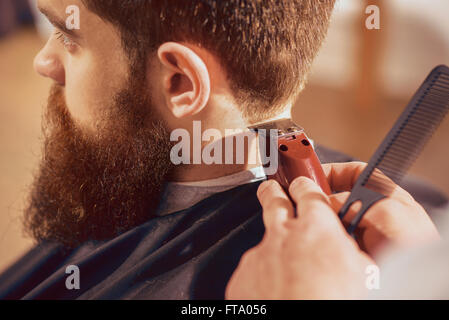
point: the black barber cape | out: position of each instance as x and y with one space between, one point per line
190 254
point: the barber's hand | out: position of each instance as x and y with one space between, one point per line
397 220
309 257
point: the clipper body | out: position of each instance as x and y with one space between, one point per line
296 156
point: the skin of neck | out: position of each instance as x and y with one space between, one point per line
198 172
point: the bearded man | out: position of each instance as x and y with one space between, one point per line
107 198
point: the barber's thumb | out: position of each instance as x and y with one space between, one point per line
310 199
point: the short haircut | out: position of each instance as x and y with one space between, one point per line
266 47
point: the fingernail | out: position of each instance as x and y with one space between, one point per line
265 186
298 181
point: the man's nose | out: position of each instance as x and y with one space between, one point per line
48 65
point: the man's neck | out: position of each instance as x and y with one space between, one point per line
203 171
199 172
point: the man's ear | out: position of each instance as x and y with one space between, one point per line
186 81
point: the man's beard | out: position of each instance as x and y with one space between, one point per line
96 186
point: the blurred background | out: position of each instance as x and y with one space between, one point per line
359 84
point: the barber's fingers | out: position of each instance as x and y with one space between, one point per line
277 207
337 201
343 176
312 204
379 212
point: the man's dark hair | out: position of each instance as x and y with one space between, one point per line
266 47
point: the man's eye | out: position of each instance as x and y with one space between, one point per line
66 41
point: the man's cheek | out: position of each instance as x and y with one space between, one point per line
86 94
78 107
82 89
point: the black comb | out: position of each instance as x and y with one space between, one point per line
402 145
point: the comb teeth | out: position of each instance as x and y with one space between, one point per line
410 133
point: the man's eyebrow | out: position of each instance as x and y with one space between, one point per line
58 23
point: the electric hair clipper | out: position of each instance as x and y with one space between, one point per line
295 153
